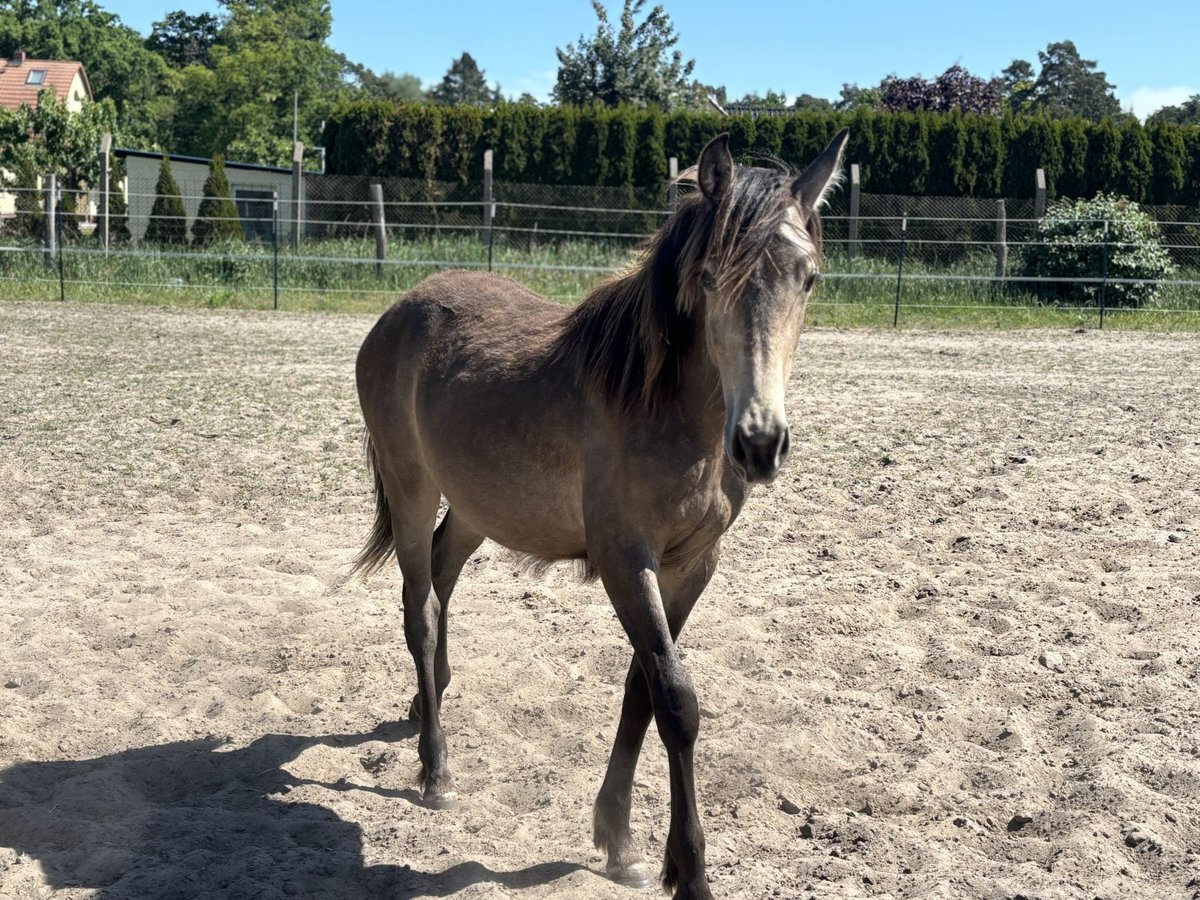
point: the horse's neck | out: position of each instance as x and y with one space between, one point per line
700 401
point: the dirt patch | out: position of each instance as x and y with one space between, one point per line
952 652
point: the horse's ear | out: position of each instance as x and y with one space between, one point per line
715 169
814 185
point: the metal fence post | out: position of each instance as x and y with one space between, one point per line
900 269
855 187
275 243
62 274
1104 275
1039 197
489 203
297 187
50 238
102 219
380 223
1001 240
672 185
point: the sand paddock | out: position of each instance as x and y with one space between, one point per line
952 652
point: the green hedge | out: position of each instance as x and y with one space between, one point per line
900 153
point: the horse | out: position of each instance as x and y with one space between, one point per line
624 433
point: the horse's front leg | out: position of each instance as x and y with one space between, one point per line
630 575
611 831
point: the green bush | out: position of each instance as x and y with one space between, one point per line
168 221
217 218
1073 243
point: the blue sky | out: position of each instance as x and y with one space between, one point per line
1149 52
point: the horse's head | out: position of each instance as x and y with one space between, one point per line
761 264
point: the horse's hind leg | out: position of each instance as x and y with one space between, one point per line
613 804
453 544
414 504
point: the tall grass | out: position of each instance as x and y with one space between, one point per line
343 275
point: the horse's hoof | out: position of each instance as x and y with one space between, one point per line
444 800
635 875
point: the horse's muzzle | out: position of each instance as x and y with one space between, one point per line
759 454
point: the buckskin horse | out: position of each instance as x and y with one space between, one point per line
624 433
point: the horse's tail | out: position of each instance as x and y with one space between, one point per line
379 545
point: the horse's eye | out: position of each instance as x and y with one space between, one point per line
811 282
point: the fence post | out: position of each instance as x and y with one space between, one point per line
380 224
1001 240
489 203
62 274
900 269
275 243
1039 197
672 186
51 236
102 225
1104 276
297 187
855 187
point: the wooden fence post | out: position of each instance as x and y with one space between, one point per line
380 223
297 187
1039 197
672 187
1001 240
51 237
102 220
855 187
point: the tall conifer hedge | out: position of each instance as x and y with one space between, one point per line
899 153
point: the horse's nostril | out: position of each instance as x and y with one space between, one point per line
759 454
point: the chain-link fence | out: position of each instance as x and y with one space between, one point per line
343 242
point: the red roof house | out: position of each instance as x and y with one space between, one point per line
22 78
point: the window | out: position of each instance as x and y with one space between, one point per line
36 76
256 208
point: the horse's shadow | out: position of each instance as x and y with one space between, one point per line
190 820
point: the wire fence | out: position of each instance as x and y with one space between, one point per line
357 243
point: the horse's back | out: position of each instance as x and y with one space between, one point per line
455 315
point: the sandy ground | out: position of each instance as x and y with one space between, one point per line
951 653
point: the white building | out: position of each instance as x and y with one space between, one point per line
254 189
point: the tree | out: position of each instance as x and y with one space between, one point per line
464 82
956 88
217 218
636 65
168 221
1069 85
771 98
402 88
119 67
809 103
1017 85
855 97
184 40
1186 113
696 96
49 138
241 104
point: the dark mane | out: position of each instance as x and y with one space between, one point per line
628 338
